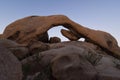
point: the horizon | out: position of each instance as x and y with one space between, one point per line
99 15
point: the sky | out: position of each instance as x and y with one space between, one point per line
96 14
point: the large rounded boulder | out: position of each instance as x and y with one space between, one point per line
10 67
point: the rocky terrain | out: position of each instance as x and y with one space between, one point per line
27 52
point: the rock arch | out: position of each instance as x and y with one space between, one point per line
31 27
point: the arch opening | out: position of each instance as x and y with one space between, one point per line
82 39
56 32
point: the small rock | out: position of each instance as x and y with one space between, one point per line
55 40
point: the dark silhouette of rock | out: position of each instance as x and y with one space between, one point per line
55 40
10 67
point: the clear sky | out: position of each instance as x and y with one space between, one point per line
96 14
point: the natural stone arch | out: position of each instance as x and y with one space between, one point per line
41 24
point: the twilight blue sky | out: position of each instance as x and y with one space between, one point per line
96 14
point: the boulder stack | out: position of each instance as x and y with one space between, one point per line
27 53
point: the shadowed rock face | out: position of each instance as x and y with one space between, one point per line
10 67
72 60
31 28
65 63
17 49
72 66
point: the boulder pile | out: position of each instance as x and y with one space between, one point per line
25 46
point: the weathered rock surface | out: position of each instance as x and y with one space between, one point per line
72 66
17 49
65 63
108 69
68 34
8 43
37 46
67 60
42 59
20 29
107 66
10 67
33 27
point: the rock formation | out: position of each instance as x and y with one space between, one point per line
55 40
35 28
10 67
17 49
26 30
71 36
71 64
74 60
0 36
37 46
96 58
